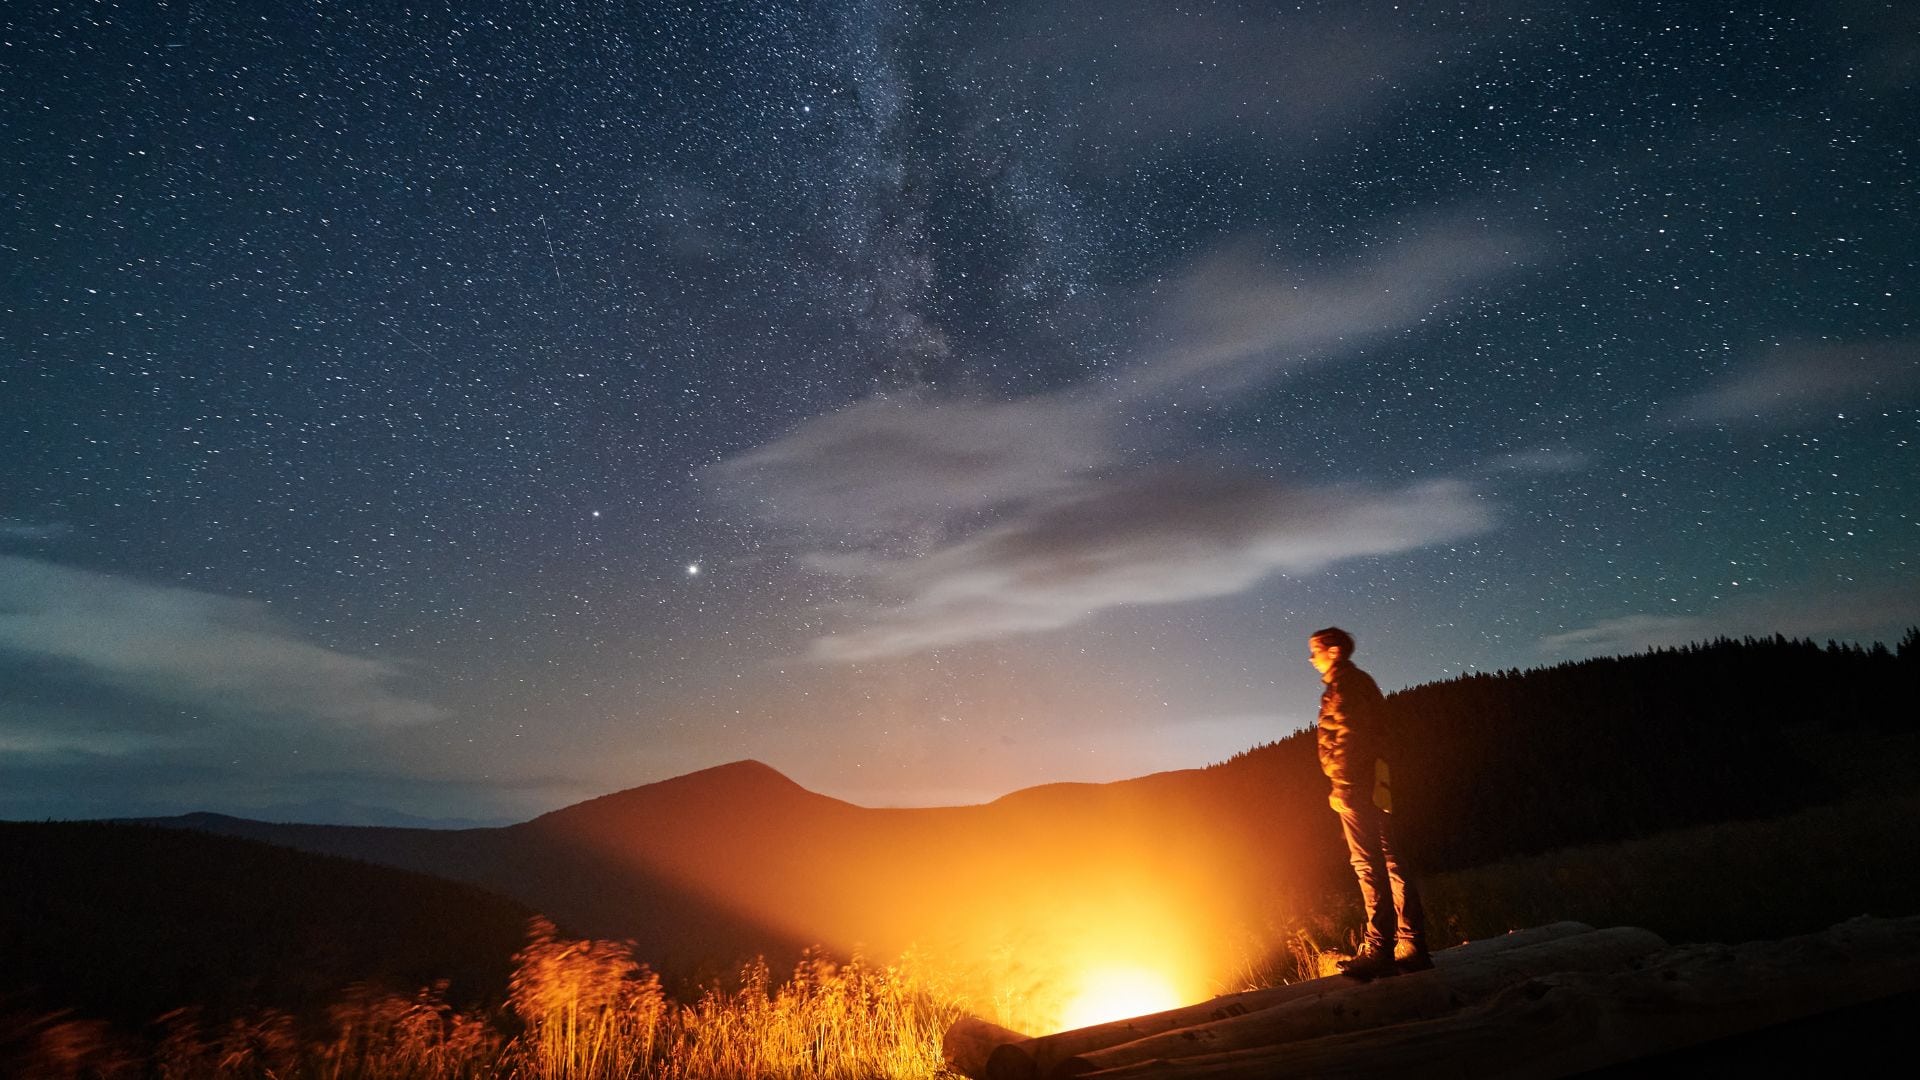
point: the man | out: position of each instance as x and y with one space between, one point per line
1352 737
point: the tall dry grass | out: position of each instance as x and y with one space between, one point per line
838 1022
591 1010
418 1038
576 1010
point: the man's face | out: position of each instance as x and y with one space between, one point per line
1321 657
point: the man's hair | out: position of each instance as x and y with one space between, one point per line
1334 638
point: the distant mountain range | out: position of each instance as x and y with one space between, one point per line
735 860
702 870
346 812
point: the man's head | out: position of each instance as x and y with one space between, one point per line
1329 647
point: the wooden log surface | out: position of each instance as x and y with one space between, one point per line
1025 1059
1567 1023
971 1041
1352 1006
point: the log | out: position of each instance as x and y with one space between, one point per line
1362 1006
1463 1045
1030 1058
971 1041
1573 1022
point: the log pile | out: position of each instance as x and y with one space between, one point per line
1551 1001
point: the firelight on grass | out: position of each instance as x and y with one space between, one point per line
1119 992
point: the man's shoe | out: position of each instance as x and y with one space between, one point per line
1369 963
1413 960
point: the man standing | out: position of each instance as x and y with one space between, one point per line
1352 737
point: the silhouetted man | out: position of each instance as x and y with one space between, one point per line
1352 736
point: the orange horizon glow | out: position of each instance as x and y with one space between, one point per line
1118 992
1141 948
1047 913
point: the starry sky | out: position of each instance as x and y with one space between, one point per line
452 411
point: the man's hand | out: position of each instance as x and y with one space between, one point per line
1382 785
1339 804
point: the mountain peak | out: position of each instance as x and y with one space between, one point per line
736 778
737 785
744 767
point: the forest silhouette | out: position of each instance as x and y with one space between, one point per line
1517 763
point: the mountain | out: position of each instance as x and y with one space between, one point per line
345 812
707 868
702 869
678 929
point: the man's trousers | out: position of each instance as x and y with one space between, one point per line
1369 832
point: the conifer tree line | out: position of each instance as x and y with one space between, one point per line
1492 766
1515 763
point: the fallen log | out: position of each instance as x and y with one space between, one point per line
1361 1006
1568 1023
1026 1059
971 1041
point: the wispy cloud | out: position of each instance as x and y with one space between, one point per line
1853 615
899 464
1544 459
225 655
14 529
1236 317
80 776
1162 536
32 739
965 520
1796 382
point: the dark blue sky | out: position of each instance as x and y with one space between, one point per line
1024 381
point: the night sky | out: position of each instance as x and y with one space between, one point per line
460 410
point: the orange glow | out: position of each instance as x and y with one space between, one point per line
1116 993
1048 910
1139 946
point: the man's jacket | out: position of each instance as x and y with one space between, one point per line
1352 730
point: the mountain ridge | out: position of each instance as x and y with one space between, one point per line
738 857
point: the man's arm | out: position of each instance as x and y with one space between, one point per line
1350 729
1335 733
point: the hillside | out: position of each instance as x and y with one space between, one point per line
678 928
705 868
1490 767
734 860
125 922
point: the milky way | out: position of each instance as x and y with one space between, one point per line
460 410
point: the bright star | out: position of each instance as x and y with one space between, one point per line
693 569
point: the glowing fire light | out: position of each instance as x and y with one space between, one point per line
1116 993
